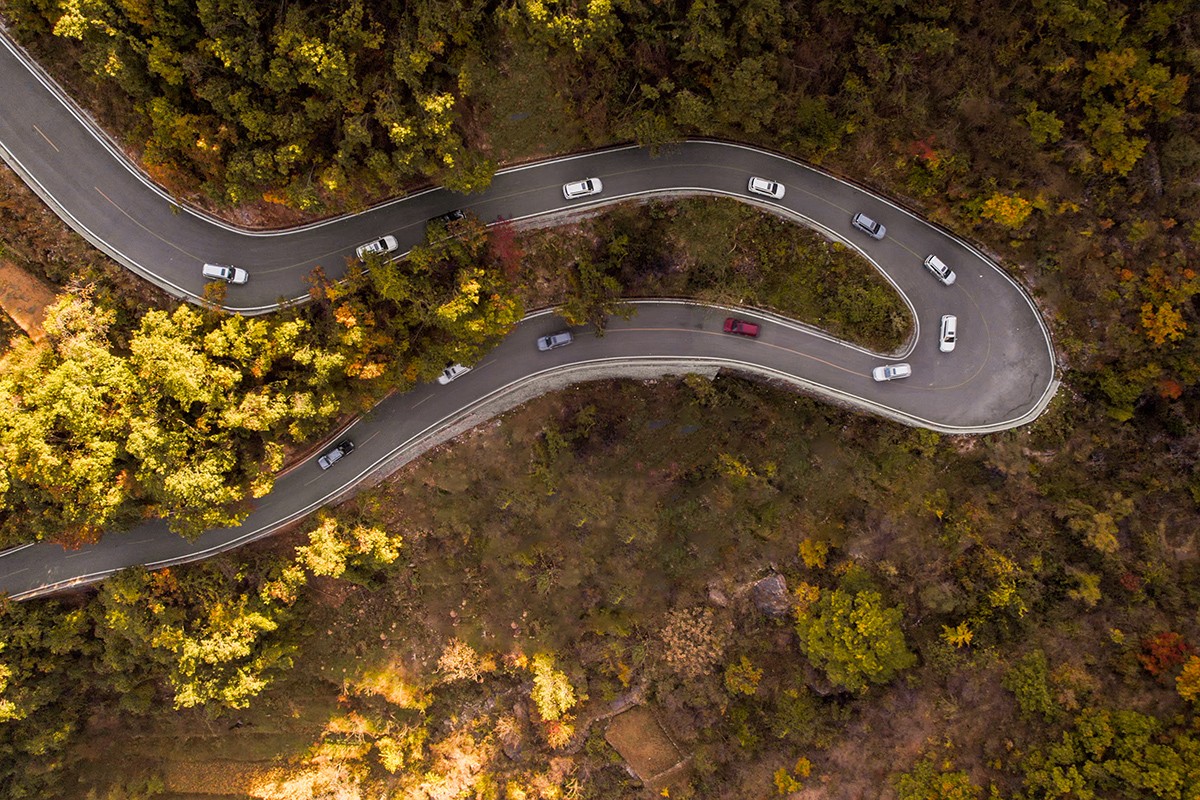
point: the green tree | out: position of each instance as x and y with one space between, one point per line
452 294
594 294
855 638
928 780
181 418
1044 126
1028 680
200 633
67 413
557 23
45 683
334 548
209 396
747 95
1114 754
1123 91
256 100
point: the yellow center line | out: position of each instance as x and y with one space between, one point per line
47 138
789 350
987 337
143 227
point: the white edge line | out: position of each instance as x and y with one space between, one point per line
16 549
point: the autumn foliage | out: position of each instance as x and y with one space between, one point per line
1163 652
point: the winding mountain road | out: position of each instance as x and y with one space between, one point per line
1001 375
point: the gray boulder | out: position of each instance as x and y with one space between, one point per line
771 596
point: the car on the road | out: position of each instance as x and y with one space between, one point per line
868 226
891 372
560 339
740 327
451 372
939 269
767 188
378 247
948 334
339 451
582 188
224 272
449 216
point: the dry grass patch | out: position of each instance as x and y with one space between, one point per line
392 680
642 742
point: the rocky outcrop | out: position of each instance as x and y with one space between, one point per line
771 596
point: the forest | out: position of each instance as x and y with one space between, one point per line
1008 616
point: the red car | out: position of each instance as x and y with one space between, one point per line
740 327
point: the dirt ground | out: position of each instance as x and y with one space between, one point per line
25 298
644 745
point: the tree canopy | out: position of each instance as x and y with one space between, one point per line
854 637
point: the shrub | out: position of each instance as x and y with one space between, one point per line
742 677
693 642
460 661
1007 210
787 782
814 552
552 690
402 749
1087 587
959 636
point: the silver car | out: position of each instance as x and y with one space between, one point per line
891 372
948 334
339 451
582 188
868 226
560 339
939 269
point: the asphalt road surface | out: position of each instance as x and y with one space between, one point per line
1001 375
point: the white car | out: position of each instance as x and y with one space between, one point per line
891 372
939 269
868 226
451 372
949 333
378 247
767 188
224 272
582 188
